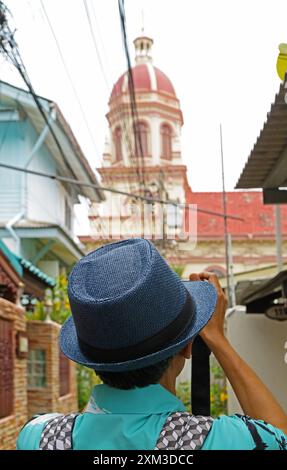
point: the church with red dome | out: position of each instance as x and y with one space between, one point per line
142 156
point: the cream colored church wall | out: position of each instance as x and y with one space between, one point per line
253 255
155 139
154 122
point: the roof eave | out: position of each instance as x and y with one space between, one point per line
266 164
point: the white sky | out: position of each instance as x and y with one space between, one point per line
220 55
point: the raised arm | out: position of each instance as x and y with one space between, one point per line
254 397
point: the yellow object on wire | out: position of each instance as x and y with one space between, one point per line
282 61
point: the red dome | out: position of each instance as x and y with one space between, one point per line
146 78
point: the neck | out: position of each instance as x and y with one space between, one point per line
168 382
168 379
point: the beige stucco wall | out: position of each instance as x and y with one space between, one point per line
262 343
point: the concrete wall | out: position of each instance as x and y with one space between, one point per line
262 343
11 425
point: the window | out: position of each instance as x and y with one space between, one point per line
6 368
118 144
166 148
174 216
64 374
36 368
141 139
68 215
218 270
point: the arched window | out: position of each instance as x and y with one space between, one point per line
218 270
166 149
118 144
141 139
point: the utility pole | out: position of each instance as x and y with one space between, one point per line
231 277
225 220
278 235
163 207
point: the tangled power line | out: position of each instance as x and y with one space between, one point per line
10 49
69 75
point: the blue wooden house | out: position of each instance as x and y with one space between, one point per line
36 213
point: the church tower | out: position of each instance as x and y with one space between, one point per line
142 153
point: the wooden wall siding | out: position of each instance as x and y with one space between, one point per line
64 375
11 182
43 199
6 368
11 425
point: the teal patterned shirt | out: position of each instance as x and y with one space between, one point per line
133 419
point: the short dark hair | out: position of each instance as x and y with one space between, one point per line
135 378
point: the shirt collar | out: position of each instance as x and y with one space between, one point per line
153 399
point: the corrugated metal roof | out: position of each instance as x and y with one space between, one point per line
14 262
18 263
36 271
266 166
266 287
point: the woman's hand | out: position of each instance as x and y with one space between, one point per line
214 329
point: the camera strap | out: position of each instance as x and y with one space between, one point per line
200 378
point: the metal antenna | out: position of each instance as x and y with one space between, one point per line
225 218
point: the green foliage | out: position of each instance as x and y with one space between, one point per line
86 380
38 313
183 391
218 395
177 269
218 392
61 306
57 299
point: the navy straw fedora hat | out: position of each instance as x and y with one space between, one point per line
130 310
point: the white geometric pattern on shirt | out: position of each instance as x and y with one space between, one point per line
181 430
57 433
184 431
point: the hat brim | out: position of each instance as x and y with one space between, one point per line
205 297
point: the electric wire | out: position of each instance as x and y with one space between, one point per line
120 107
106 80
134 113
9 48
116 191
69 76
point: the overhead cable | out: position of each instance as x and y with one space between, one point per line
76 182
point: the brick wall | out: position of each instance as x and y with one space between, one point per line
11 425
44 336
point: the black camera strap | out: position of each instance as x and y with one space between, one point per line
200 378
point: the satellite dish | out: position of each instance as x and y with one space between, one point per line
277 312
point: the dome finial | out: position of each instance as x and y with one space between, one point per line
143 45
142 22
